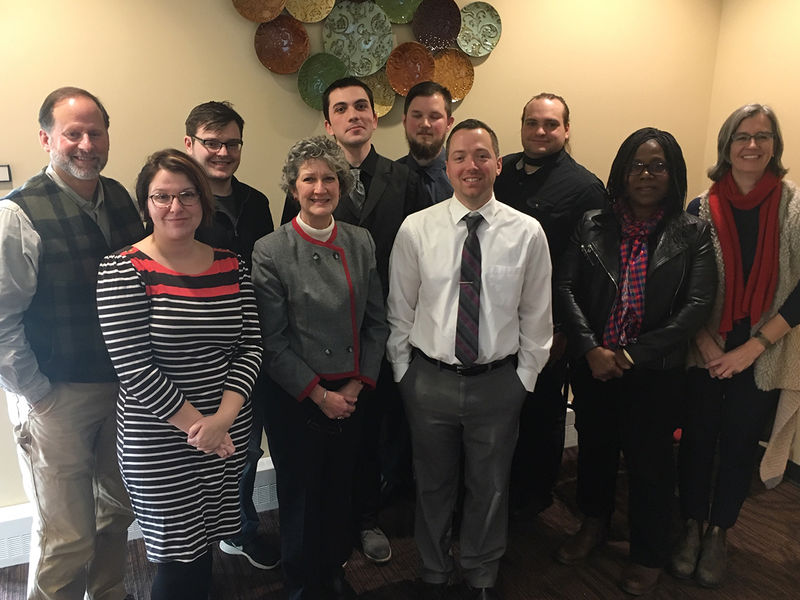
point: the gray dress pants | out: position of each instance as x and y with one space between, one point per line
448 412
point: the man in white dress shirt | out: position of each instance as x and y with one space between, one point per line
471 327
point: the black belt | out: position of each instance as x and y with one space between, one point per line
468 371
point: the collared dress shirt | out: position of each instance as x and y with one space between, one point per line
515 308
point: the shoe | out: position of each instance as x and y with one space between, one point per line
375 545
338 588
524 512
638 579
431 591
710 570
684 558
592 534
129 597
482 593
258 552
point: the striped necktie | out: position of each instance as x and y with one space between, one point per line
358 194
469 294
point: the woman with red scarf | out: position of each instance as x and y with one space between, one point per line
636 283
742 358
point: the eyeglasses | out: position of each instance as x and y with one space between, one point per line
744 138
216 145
164 200
656 167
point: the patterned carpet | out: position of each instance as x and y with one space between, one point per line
764 553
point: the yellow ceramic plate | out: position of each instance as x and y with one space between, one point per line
381 90
455 72
259 11
309 11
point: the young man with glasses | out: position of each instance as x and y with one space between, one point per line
241 216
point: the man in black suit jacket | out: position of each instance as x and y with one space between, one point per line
384 195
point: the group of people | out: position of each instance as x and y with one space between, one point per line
412 327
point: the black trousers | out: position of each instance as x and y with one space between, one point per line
314 459
537 458
635 414
183 580
728 415
370 461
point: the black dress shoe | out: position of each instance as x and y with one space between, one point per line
338 589
431 591
482 593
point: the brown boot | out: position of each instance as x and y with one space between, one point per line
684 558
710 570
638 579
592 534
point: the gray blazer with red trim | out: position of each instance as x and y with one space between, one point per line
321 307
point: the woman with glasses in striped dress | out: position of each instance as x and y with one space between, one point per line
181 325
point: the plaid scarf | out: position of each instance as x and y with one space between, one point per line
625 320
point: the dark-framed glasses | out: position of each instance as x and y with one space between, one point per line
164 200
760 137
216 145
654 167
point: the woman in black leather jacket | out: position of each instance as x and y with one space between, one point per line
636 282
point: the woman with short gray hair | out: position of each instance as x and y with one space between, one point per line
324 330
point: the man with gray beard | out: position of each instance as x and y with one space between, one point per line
59 381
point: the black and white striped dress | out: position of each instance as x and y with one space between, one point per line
173 338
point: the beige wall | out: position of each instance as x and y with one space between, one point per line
621 65
758 58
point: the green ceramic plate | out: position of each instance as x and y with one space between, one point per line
360 34
399 11
480 29
317 73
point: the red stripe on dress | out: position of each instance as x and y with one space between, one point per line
206 292
221 265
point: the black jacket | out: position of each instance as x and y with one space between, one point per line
680 288
253 222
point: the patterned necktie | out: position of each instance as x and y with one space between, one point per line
469 294
358 194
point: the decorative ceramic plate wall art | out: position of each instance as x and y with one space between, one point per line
259 11
480 29
360 34
316 74
455 72
309 11
357 39
409 64
282 44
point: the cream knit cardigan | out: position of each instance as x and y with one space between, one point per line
779 366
